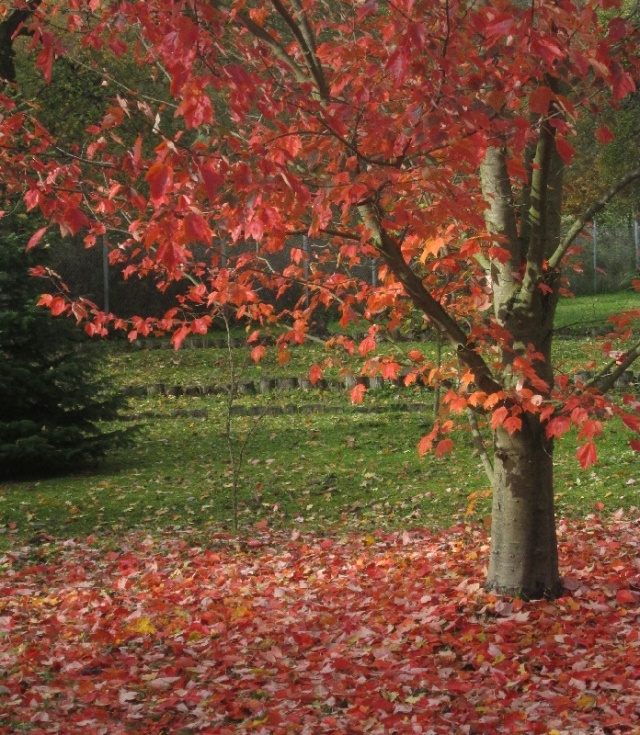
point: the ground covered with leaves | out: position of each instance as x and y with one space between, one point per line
305 634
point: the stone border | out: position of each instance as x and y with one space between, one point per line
266 385
286 410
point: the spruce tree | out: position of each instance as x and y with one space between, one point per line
53 402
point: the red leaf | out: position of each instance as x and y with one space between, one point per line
587 455
604 135
36 237
32 198
626 597
367 345
45 58
171 254
179 336
196 229
540 100
558 426
632 422
622 85
389 370
212 179
512 424
160 179
443 447
498 417
56 304
565 149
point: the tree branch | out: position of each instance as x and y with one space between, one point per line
605 380
423 300
277 48
479 444
307 45
589 213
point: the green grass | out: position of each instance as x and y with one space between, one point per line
347 468
586 314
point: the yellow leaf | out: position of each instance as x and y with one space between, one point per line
144 626
584 701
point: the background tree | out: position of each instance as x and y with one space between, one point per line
432 137
54 401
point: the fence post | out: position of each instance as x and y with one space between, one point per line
305 265
595 256
105 273
636 240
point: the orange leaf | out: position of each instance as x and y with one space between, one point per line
425 445
357 394
257 353
315 374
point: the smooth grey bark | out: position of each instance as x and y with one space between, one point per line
524 557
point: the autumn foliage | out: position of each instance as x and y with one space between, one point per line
386 633
430 138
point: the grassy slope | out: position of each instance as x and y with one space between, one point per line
346 468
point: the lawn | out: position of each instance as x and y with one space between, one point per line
309 459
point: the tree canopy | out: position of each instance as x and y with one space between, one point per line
429 137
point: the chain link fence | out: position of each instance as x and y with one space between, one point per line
604 260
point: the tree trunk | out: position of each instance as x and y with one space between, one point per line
524 556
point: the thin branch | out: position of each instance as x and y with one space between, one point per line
305 27
479 444
423 300
331 233
589 213
277 48
605 380
88 161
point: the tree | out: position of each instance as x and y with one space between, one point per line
53 400
431 137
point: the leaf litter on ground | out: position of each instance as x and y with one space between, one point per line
303 633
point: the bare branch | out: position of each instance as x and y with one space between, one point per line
423 300
606 378
479 444
277 48
589 213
